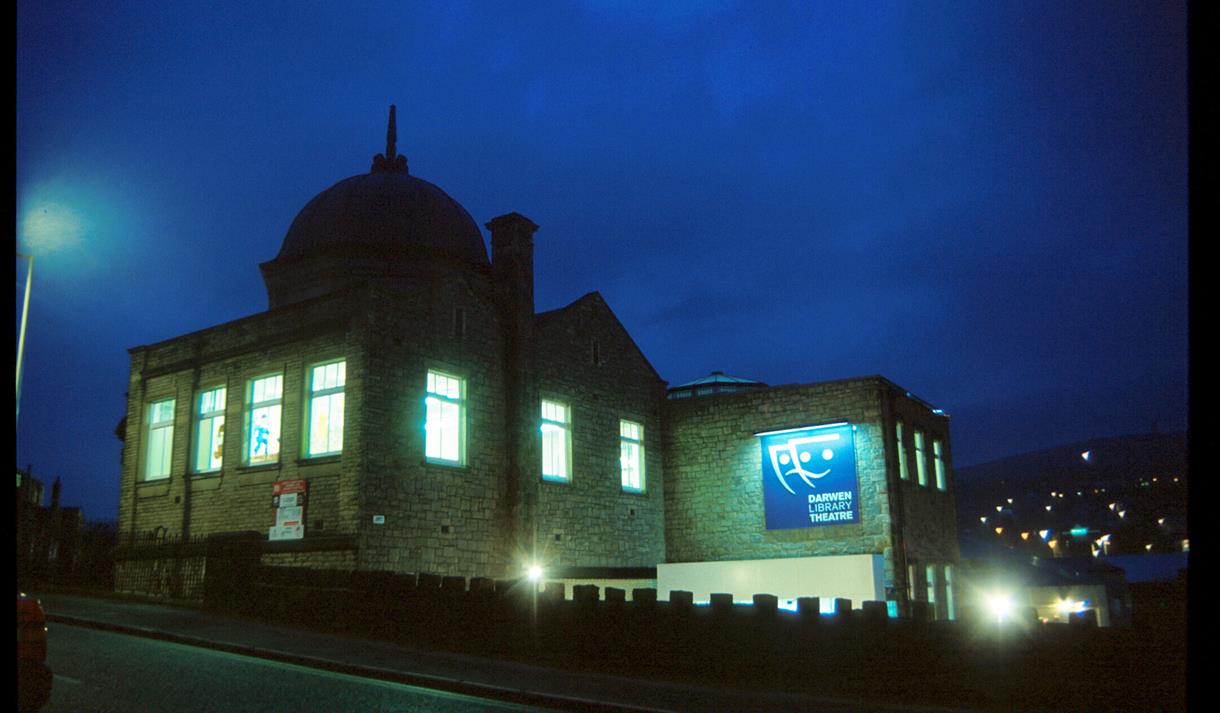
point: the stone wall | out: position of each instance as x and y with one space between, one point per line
448 519
927 524
714 489
587 360
238 497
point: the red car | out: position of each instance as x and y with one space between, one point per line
33 675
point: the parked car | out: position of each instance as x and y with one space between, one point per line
33 674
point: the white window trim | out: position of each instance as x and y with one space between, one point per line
312 396
199 418
904 470
460 402
938 455
921 458
624 441
251 406
158 426
564 426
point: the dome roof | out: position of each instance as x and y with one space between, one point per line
387 211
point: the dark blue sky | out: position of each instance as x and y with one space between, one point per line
984 202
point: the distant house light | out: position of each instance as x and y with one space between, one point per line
1086 456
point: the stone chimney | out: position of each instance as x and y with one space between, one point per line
512 266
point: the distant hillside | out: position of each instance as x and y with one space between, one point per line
1133 487
1112 461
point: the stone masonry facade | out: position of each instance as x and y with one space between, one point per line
387 274
714 498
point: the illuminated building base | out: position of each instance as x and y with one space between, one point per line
859 578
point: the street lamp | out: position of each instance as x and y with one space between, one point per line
25 313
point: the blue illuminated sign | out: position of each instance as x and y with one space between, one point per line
809 477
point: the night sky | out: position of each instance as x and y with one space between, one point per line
984 202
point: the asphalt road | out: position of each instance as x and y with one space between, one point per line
100 671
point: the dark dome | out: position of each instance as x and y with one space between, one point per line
387 211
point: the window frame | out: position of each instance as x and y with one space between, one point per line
938 461
625 442
165 430
432 395
201 417
950 602
904 468
324 395
565 427
933 604
251 406
921 458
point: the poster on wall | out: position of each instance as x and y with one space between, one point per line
809 477
288 501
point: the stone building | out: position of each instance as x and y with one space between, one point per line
886 533
402 406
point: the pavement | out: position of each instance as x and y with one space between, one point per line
534 686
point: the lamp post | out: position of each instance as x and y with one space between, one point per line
25 313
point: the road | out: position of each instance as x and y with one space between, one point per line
100 671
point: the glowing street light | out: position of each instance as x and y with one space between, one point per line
25 314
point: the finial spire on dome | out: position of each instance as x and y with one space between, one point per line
390 161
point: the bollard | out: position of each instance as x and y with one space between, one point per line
722 604
681 600
809 609
875 613
766 605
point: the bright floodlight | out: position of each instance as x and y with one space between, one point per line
535 573
999 605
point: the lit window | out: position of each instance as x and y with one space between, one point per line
160 439
903 471
921 466
912 589
631 455
209 430
265 399
326 396
556 441
445 419
938 453
930 571
950 610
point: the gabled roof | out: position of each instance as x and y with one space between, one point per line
593 300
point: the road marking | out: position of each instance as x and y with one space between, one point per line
66 679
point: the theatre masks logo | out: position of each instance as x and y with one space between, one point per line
809 477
